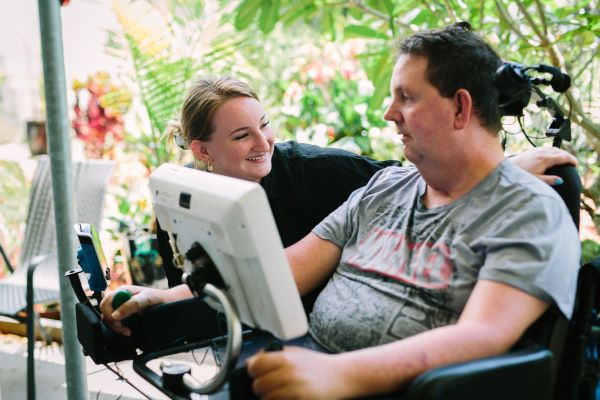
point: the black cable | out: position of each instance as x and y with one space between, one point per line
525 133
203 357
122 377
570 107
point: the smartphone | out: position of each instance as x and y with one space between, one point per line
91 257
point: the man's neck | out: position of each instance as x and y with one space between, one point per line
458 175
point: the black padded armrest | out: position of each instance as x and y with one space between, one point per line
516 375
160 326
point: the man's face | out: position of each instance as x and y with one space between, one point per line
422 116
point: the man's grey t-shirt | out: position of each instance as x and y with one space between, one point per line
406 269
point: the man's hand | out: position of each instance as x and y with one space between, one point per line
142 297
296 373
539 159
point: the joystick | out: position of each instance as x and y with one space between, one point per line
119 298
240 383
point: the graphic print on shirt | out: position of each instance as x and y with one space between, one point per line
419 316
392 248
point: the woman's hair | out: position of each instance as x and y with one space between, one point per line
199 107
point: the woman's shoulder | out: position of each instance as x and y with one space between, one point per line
320 156
295 149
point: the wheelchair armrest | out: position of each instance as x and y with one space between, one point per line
522 374
158 327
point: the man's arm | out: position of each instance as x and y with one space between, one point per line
495 316
142 297
312 260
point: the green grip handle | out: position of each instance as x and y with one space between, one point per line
119 298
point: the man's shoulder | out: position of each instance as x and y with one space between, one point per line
396 177
522 193
394 173
514 176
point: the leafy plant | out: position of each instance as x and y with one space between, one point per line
185 40
328 102
167 44
99 108
589 249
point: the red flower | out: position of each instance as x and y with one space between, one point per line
99 128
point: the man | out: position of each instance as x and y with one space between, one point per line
444 263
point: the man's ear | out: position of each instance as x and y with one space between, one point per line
463 103
200 151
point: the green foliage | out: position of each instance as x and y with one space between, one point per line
246 12
335 110
132 214
589 250
166 61
269 15
265 41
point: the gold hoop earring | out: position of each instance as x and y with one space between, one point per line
209 168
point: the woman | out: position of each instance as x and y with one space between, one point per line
228 132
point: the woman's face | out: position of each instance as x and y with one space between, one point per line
241 144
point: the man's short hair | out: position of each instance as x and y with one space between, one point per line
458 58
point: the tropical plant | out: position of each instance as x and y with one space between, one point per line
169 43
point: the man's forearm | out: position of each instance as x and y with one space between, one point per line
389 367
176 293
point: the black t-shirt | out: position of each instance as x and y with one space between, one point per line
305 185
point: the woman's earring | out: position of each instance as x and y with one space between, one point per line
202 165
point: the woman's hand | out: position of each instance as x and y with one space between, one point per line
539 159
